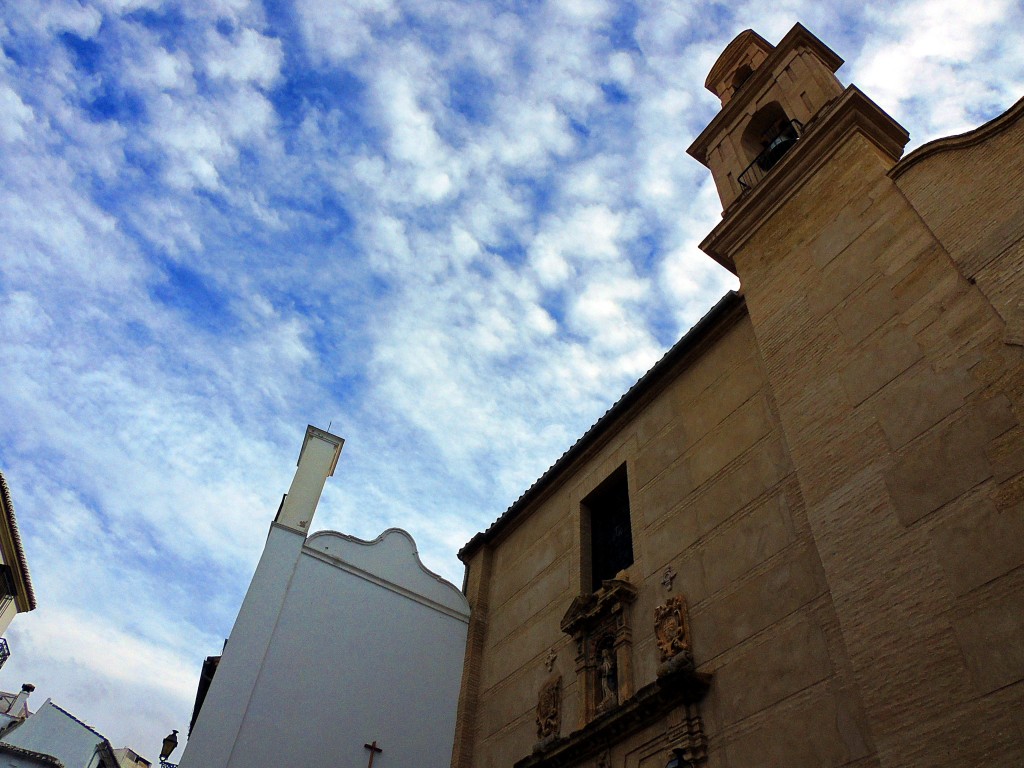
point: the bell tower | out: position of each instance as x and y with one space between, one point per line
784 114
770 95
889 370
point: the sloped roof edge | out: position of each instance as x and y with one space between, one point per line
19 551
28 753
970 138
658 372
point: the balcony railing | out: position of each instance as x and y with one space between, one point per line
5 651
764 162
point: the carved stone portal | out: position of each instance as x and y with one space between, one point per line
549 709
599 623
672 628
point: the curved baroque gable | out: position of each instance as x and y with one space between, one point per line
393 558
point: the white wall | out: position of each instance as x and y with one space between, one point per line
368 646
7 614
52 731
213 737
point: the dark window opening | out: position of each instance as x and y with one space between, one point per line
741 76
7 587
611 539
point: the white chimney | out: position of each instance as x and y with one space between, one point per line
317 460
19 707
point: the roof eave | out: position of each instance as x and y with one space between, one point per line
658 374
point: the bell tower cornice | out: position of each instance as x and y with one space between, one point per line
853 113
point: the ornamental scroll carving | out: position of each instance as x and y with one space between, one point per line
549 709
672 629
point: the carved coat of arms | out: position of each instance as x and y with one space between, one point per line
672 628
549 709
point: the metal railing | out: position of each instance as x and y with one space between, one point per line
5 651
764 162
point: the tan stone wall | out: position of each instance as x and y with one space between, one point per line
713 495
901 405
968 190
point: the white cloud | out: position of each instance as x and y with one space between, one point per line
159 69
939 65
249 58
16 115
339 31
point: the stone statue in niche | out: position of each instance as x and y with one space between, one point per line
549 709
599 621
609 680
672 630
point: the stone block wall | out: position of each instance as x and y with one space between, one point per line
713 498
901 403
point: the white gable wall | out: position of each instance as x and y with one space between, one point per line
361 654
53 731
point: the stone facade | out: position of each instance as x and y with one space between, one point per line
828 469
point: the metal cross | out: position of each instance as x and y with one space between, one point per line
374 750
666 582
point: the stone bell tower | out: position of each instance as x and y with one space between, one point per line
894 382
769 95
772 98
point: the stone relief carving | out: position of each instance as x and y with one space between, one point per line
610 710
549 709
672 628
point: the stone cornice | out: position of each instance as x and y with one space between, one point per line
850 114
797 37
978 135
650 703
588 609
731 56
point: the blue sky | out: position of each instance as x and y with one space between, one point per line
458 231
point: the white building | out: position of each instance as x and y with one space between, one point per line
16 757
55 733
343 650
14 707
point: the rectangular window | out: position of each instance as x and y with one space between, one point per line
611 538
